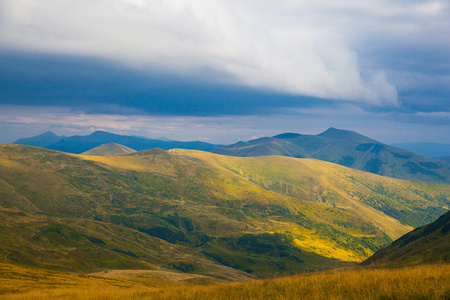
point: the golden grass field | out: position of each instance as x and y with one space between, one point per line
422 282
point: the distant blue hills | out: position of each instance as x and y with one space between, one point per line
429 149
78 144
42 140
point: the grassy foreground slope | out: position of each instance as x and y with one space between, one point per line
192 212
424 282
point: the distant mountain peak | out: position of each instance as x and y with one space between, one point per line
42 140
98 133
342 134
349 149
287 135
48 133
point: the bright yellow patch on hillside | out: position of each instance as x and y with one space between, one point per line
328 249
8 163
115 161
310 242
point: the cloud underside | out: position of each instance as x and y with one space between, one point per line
292 47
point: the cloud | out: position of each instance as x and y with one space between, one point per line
92 85
309 48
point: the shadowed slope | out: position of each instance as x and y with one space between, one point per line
425 245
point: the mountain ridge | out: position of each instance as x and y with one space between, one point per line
42 140
78 144
349 149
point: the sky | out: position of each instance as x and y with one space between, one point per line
225 71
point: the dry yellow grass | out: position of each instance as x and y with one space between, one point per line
327 248
424 282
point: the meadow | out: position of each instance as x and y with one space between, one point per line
421 282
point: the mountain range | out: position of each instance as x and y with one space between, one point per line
348 149
199 212
78 144
343 147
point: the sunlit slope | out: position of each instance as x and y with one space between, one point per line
391 204
207 216
109 149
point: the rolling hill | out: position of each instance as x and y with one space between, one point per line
79 144
348 149
425 245
109 149
200 213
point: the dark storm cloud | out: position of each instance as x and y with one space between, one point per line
99 86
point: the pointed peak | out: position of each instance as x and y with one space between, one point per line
341 134
41 140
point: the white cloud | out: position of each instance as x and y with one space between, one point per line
300 47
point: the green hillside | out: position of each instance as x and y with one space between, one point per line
197 212
109 149
425 245
348 149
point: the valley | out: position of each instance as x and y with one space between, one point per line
200 213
